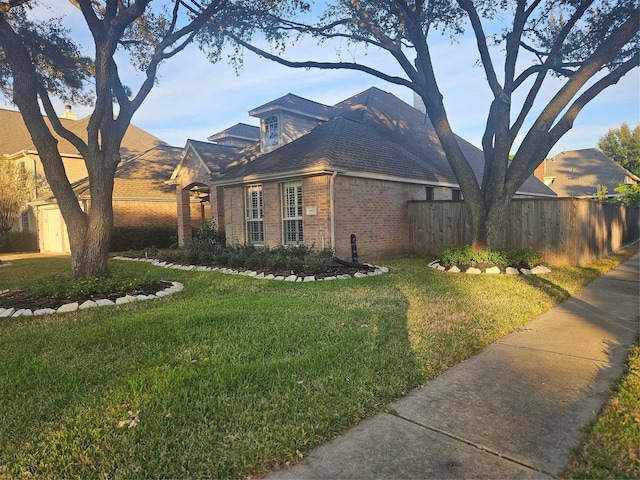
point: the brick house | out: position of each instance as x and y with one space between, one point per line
578 173
140 196
318 174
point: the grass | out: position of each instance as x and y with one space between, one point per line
234 376
611 447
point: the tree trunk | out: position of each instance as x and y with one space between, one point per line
90 245
489 218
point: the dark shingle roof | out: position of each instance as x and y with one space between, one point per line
219 158
373 132
296 104
239 130
578 173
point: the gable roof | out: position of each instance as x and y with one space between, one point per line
241 130
295 104
14 136
578 173
215 157
142 177
372 134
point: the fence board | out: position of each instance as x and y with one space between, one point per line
565 231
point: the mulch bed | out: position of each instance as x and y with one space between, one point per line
18 299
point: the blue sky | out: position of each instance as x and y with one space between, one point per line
195 98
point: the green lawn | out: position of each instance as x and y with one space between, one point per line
234 376
611 446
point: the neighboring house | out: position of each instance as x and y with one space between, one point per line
319 174
45 218
578 173
141 196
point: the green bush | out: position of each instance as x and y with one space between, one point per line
126 238
63 286
18 242
466 256
208 247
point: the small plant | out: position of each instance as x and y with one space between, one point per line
63 286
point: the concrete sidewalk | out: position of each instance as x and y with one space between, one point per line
515 410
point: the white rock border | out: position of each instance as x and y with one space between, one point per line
72 307
378 270
537 270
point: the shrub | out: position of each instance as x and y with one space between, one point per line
465 255
62 286
321 262
127 238
18 242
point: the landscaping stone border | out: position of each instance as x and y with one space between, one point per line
72 307
537 270
250 273
175 286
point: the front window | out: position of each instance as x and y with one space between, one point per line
271 131
254 215
292 213
25 221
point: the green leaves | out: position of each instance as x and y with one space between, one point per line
63 70
622 145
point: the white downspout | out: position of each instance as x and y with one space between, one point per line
332 207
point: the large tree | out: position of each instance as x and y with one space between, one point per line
520 45
622 145
38 61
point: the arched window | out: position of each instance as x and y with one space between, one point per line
271 131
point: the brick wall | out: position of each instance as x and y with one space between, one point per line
234 214
376 212
315 198
128 213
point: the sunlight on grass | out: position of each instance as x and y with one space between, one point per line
611 447
234 376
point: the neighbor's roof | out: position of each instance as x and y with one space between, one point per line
14 136
143 177
373 133
577 173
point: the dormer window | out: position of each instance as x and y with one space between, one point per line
271 131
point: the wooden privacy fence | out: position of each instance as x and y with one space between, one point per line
566 231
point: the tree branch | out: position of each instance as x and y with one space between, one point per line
481 42
56 124
565 123
322 65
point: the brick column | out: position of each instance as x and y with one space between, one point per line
183 198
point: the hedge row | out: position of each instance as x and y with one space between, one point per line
141 237
18 242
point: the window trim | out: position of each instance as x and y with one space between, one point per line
271 140
292 212
25 221
254 214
